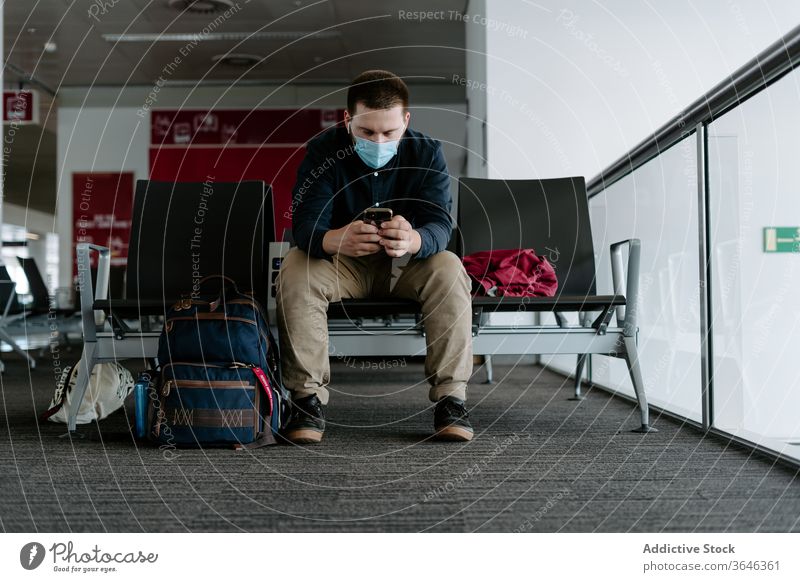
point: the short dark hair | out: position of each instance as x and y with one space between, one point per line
377 89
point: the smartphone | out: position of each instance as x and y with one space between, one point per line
377 215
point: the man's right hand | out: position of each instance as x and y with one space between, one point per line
352 240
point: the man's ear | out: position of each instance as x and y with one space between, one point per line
408 116
347 119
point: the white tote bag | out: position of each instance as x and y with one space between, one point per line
109 384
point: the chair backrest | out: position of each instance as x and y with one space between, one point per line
36 284
184 231
6 292
550 216
116 281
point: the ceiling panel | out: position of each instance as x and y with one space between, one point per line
83 57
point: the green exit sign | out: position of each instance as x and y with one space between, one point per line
782 239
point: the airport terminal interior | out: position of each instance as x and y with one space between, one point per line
637 151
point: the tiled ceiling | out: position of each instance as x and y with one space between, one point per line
366 34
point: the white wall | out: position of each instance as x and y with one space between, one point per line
573 85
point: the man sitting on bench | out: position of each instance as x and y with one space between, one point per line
375 160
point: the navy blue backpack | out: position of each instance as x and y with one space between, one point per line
220 382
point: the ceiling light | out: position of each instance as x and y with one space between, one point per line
201 6
233 36
237 59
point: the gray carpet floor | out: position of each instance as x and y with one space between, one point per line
539 463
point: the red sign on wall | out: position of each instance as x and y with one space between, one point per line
20 107
239 126
237 145
101 212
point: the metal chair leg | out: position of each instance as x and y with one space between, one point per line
579 376
632 359
489 369
85 366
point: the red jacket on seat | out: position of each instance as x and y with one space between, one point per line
511 273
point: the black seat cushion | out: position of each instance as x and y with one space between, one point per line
354 308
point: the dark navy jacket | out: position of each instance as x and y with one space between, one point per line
334 187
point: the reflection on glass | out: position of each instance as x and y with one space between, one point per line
657 204
753 153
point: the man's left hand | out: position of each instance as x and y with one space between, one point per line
398 238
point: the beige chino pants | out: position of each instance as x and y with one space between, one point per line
306 285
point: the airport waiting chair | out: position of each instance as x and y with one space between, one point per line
116 282
43 311
41 303
180 232
13 311
550 216
36 285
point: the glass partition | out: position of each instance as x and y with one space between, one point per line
754 229
751 210
657 204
